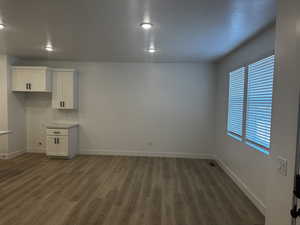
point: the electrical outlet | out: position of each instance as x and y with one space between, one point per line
149 144
282 166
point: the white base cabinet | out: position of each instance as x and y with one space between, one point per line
31 79
62 142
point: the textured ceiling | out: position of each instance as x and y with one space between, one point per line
108 30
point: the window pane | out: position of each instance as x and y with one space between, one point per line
259 101
236 101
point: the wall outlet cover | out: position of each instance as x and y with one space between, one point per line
282 165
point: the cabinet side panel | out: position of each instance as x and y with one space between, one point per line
55 91
48 80
76 90
73 142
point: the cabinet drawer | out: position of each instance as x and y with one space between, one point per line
58 132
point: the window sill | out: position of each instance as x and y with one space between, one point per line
234 136
258 148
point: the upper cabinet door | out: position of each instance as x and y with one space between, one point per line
38 81
31 79
57 95
19 80
64 94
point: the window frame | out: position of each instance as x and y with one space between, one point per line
230 133
243 138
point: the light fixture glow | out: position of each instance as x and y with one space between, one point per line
146 26
2 26
49 48
152 50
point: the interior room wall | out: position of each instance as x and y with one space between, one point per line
12 115
163 109
285 113
247 166
3 105
16 115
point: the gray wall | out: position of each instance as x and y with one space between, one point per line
248 166
135 108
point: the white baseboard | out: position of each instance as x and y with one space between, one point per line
254 199
36 151
145 154
11 155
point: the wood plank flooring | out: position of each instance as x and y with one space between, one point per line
35 190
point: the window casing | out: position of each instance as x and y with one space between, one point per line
255 126
236 102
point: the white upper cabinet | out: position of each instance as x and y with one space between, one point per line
65 85
31 79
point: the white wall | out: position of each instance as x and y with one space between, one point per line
3 104
135 108
285 112
248 166
16 115
12 113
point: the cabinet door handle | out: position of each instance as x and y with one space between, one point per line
56 132
54 140
30 86
57 140
63 104
60 104
26 86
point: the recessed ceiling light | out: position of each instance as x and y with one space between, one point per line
2 26
151 50
146 26
49 48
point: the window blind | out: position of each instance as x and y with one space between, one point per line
259 102
236 102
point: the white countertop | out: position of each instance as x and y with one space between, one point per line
3 132
61 125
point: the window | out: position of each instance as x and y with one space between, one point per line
257 104
236 102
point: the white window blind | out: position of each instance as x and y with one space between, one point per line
236 102
259 102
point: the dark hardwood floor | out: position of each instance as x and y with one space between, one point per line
106 190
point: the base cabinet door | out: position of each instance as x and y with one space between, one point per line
57 146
